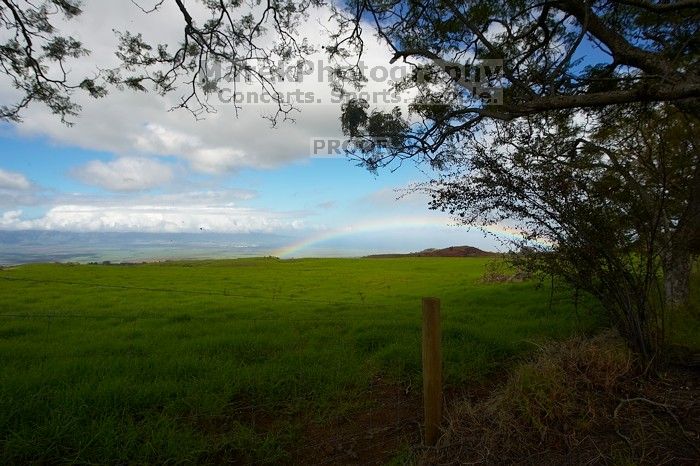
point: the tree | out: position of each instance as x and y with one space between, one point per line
603 203
636 52
660 150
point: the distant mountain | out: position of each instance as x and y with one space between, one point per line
452 251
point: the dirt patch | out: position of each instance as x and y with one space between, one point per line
385 422
373 435
500 271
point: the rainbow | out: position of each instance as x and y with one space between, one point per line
368 226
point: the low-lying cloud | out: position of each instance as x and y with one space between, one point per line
13 181
125 174
153 219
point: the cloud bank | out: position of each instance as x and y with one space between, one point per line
153 219
13 181
125 174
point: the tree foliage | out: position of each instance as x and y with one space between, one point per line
232 42
557 55
34 55
636 51
222 41
604 202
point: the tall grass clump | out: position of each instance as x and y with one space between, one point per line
579 401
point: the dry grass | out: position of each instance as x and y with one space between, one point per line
500 271
577 402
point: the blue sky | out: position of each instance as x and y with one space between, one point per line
320 194
306 184
129 164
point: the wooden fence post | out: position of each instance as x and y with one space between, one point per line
432 369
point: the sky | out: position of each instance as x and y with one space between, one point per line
128 164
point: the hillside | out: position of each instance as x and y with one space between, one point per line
452 251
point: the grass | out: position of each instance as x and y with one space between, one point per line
577 401
684 324
162 364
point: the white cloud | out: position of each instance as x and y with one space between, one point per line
11 217
218 160
159 140
13 181
405 197
154 218
125 174
133 124
185 211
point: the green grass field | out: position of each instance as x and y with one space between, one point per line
140 369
